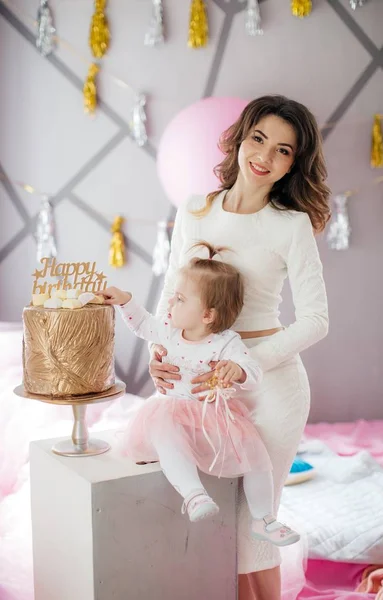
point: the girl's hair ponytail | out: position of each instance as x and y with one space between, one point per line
221 285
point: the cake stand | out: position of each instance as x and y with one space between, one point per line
79 444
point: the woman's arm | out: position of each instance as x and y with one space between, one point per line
310 301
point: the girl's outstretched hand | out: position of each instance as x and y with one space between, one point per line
115 296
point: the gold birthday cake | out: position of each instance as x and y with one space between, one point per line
68 343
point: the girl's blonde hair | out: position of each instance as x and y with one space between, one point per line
302 189
221 286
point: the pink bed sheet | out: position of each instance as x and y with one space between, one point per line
326 580
349 438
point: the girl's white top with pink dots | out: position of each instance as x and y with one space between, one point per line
266 247
192 358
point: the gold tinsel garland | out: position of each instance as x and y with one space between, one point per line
198 25
301 8
377 143
99 35
117 247
90 89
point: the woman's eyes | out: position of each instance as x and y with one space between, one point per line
283 151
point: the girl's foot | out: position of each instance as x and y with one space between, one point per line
199 506
271 530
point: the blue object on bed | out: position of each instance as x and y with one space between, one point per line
300 471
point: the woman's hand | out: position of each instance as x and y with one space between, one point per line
160 371
113 295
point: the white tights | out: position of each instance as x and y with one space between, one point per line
182 473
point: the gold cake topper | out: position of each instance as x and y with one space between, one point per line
78 276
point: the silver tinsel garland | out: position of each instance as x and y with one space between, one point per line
45 39
253 18
161 249
355 3
138 120
155 34
339 230
45 231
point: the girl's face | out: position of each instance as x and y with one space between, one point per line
268 152
185 307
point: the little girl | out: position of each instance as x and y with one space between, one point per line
216 434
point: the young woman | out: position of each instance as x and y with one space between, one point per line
273 200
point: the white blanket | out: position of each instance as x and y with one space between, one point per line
341 509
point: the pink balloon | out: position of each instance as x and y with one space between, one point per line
188 150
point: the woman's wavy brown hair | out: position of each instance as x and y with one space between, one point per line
302 189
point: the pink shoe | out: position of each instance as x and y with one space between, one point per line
199 506
271 530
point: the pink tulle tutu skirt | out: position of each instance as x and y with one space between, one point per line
232 444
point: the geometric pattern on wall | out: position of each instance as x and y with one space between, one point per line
135 380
